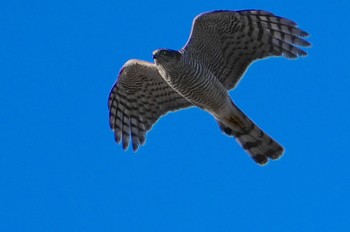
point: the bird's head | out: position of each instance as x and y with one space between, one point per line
166 56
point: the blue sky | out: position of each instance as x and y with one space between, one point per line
60 169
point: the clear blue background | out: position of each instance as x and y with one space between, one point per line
60 169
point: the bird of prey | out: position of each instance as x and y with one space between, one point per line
219 50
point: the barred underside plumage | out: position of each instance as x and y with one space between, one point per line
220 48
227 42
137 100
259 145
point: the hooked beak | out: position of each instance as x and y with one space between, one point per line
155 54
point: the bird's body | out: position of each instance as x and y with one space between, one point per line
197 85
221 47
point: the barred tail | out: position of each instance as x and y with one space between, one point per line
259 145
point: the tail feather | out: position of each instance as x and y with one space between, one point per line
259 145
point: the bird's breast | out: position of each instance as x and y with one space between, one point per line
197 84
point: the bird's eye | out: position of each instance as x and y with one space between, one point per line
164 52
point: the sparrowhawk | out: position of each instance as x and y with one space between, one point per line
219 50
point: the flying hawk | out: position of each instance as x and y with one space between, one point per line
219 50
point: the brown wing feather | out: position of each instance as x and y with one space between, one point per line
137 100
227 42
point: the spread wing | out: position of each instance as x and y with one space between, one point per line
227 42
137 100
